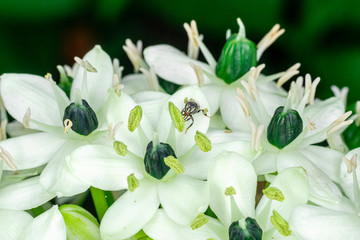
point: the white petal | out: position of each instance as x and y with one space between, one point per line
231 170
184 198
266 163
221 136
346 179
57 178
98 82
161 227
16 129
293 183
130 212
213 93
197 165
102 167
173 65
24 195
231 111
152 103
134 83
327 159
311 222
201 123
119 111
271 96
32 150
49 225
323 113
22 91
321 186
12 223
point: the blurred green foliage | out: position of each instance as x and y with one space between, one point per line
322 35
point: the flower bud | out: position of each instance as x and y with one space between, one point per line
80 224
284 127
245 229
82 116
237 57
154 159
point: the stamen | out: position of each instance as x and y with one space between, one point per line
117 85
199 73
120 148
134 53
250 85
311 87
269 39
339 123
241 33
151 78
229 191
133 182
174 164
48 76
176 117
199 221
340 93
67 125
280 224
193 34
26 118
85 64
311 125
202 141
134 118
112 131
335 142
205 51
357 110
69 71
8 159
117 68
256 136
292 71
3 129
244 103
274 193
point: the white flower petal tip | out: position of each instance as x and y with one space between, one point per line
12 223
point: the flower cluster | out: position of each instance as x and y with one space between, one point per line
181 149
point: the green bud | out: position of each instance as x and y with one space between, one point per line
237 57
80 224
284 127
202 141
245 229
134 118
176 117
82 116
154 159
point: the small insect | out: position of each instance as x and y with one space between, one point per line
192 107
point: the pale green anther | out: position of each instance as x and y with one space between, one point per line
280 224
120 148
134 118
176 117
199 221
202 141
230 191
133 182
174 164
274 193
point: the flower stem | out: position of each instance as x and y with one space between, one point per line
102 201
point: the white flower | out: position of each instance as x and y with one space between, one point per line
174 66
333 221
182 197
39 104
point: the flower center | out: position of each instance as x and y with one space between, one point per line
154 159
246 228
82 117
284 127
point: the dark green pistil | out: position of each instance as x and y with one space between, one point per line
154 159
237 57
284 127
246 229
83 118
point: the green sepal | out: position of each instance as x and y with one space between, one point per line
80 224
82 116
154 159
284 127
245 229
237 57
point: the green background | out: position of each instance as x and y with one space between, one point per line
323 36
